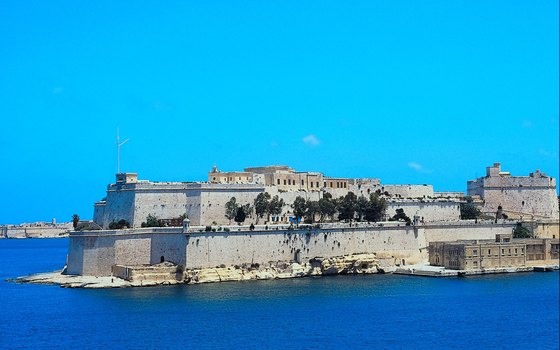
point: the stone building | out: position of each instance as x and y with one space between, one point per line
522 197
133 200
503 252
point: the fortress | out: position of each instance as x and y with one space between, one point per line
205 242
133 200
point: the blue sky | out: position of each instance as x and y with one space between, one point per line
405 91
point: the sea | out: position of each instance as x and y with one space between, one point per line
506 311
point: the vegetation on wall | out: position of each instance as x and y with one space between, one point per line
401 216
119 225
521 232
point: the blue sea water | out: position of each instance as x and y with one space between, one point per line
349 312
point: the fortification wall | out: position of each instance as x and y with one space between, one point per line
213 201
465 231
409 191
231 248
95 253
119 205
427 211
522 201
164 204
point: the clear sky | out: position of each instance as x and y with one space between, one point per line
405 91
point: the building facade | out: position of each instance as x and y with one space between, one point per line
530 197
504 252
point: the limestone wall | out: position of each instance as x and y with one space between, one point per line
465 231
213 200
230 248
409 191
95 253
428 211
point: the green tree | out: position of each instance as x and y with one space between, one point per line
347 207
119 225
75 220
327 207
311 210
299 207
376 208
362 204
240 215
261 205
401 216
231 209
247 209
521 232
275 206
469 211
152 221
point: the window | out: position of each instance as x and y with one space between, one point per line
475 252
278 181
515 250
503 250
489 252
311 184
317 184
303 183
475 263
345 185
331 184
284 181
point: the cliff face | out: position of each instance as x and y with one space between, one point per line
341 265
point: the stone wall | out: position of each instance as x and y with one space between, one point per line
94 253
428 211
524 197
409 191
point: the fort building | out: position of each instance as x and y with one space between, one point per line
503 252
530 197
132 200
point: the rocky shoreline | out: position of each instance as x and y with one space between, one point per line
169 274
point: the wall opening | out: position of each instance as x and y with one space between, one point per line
162 259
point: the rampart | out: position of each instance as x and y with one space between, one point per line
94 253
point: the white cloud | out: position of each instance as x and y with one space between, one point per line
419 168
545 153
415 166
311 140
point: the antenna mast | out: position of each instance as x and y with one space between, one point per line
119 144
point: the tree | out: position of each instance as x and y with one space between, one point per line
75 220
261 205
521 232
311 210
275 206
347 207
401 216
231 209
240 215
376 208
152 221
469 211
362 204
299 207
247 209
119 225
327 207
